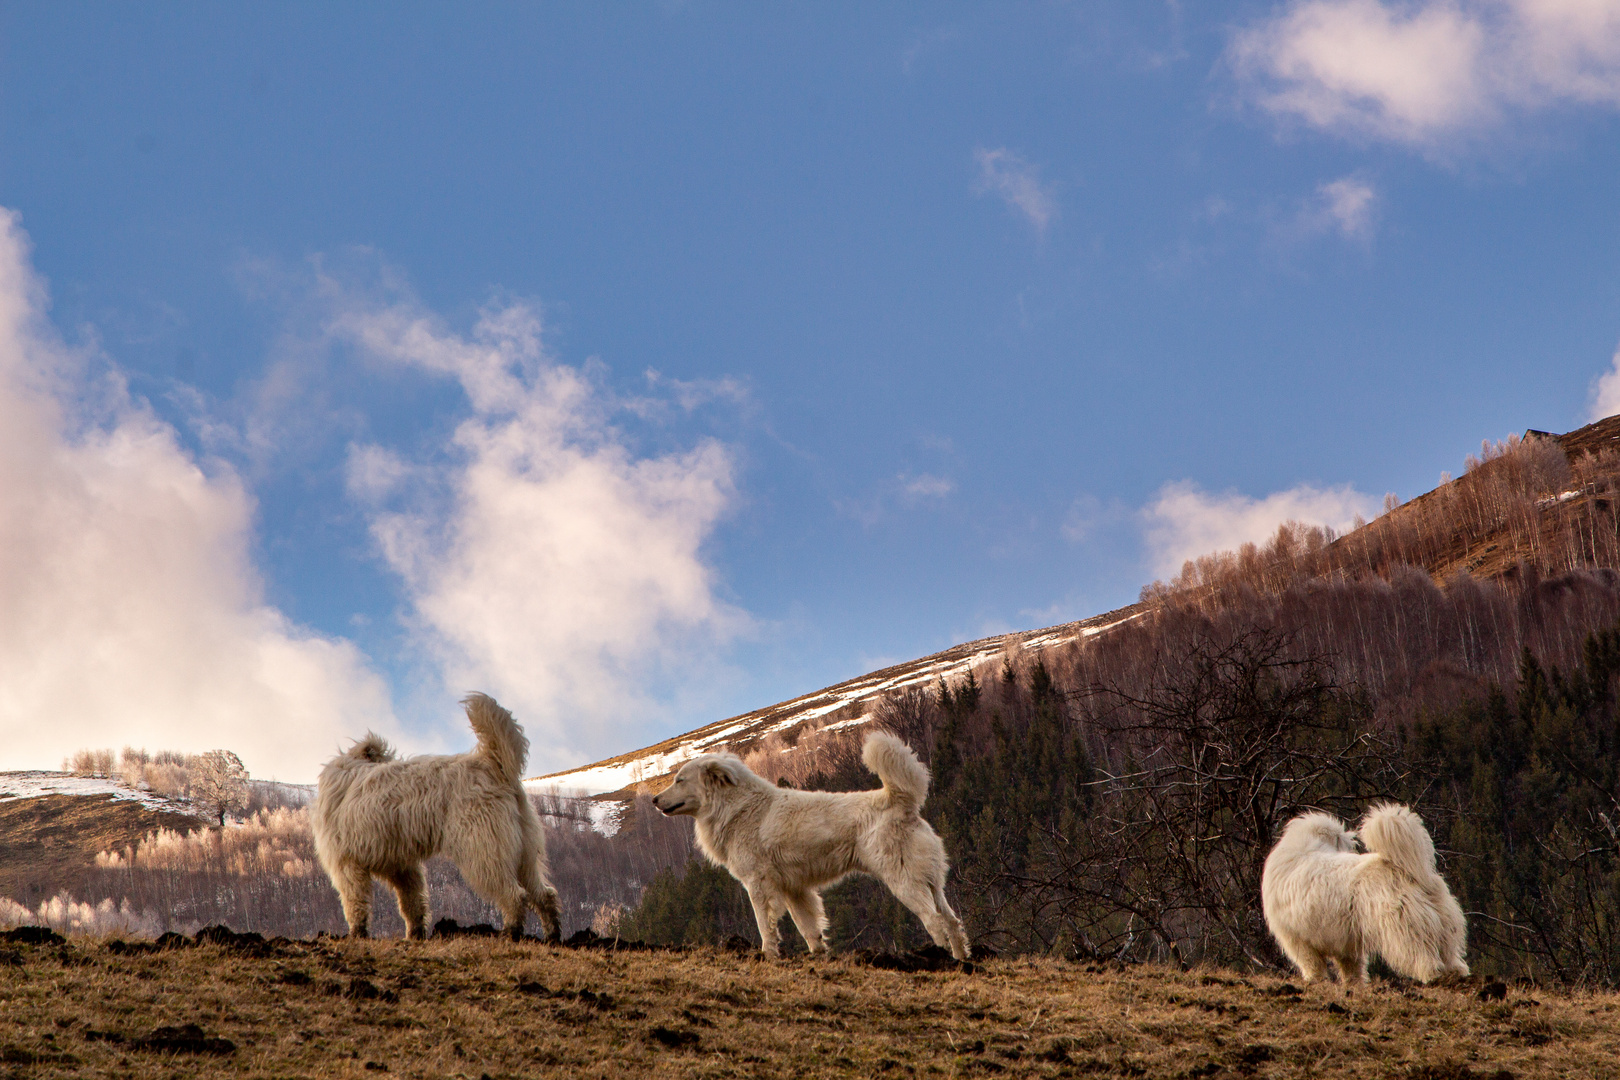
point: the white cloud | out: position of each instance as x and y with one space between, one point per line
686 396
546 562
1018 184
1425 72
927 486
1606 392
132 610
1346 205
1184 521
905 492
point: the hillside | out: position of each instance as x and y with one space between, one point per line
846 705
52 825
492 1008
1475 524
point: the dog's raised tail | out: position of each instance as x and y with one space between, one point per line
903 776
373 748
499 738
1396 833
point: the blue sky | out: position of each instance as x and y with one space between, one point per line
643 364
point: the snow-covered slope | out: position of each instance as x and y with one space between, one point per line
848 704
28 785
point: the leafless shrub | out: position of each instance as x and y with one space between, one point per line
97 763
66 915
605 922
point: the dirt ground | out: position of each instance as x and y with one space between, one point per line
477 1007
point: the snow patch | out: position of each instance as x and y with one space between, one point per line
35 784
611 776
606 816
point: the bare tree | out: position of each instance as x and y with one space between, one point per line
219 781
1205 770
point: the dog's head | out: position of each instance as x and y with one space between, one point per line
700 782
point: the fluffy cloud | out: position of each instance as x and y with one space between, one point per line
1346 205
544 560
1004 174
1606 392
133 613
1421 73
1184 522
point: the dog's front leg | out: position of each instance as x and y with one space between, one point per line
766 915
354 890
411 889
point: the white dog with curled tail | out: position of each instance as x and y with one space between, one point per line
785 846
376 815
1326 902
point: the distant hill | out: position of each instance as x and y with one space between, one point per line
1541 503
53 824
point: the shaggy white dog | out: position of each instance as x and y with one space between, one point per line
379 816
785 846
1325 901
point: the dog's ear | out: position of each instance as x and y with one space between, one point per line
716 773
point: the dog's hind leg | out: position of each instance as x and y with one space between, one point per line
550 912
953 925
767 912
410 888
1312 965
497 881
354 890
919 896
543 897
810 917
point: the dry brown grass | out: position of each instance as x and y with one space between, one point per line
477 1007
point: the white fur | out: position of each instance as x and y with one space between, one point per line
379 816
785 846
1326 902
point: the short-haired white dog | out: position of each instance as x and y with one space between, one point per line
785 846
376 815
1325 901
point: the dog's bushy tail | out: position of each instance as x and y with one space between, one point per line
371 748
500 740
903 776
1396 833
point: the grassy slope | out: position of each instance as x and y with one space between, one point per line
49 843
459 1008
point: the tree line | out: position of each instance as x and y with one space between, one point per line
1126 823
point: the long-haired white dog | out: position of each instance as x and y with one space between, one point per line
785 846
376 815
1324 901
